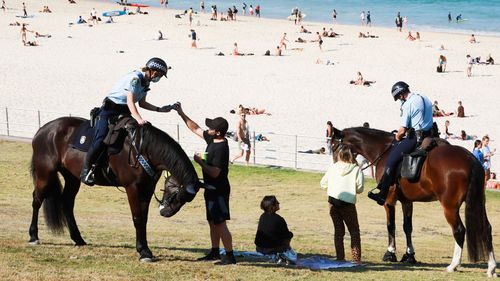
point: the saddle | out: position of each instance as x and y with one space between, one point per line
411 165
118 129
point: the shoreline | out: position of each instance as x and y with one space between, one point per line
413 27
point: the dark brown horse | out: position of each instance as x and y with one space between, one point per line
52 155
450 174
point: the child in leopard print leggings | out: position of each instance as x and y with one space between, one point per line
344 179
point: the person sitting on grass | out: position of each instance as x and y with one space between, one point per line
273 235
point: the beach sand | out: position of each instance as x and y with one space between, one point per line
72 71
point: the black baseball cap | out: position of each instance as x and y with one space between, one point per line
218 124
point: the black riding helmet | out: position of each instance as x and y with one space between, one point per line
159 65
398 89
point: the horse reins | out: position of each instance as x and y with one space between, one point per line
376 159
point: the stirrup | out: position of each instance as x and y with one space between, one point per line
89 178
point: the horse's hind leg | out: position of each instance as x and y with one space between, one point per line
409 256
36 204
453 218
71 188
42 178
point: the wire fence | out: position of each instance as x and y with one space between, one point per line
281 150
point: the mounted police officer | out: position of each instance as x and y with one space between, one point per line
131 89
416 124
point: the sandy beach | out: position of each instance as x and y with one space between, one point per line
74 69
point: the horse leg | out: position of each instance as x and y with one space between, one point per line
42 178
71 188
139 206
453 218
409 256
36 204
390 254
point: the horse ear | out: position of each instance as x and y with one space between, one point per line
337 134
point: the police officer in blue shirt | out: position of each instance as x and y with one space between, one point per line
132 88
416 124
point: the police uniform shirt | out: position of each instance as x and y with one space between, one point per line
129 83
416 113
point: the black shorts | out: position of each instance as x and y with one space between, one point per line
217 208
94 17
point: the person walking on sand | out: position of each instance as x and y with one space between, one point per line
282 42
24 10
23 33
193 38
320 41
470 62
334 15
244 8
243 133
3 5
215 169
343 180
362 18
190 16
93 15
399 22
257 11
202 6
368 19
487 152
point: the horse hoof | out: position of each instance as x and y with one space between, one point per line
451 268
80 243
148 259
409 258
390 257
34 242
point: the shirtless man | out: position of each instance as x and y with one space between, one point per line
243 133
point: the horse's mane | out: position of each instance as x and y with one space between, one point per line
370 132
159 145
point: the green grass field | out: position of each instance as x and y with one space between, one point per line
105 222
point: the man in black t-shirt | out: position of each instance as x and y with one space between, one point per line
215 166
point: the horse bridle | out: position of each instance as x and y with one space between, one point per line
377 159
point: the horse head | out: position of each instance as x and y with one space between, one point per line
166 154
175 195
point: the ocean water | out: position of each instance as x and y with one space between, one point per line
483 17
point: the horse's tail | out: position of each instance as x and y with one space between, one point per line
478 228
52 206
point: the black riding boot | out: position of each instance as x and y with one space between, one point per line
383 185
87 173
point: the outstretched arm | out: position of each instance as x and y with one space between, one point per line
189 123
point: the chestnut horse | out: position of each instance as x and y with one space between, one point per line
53 155
450 174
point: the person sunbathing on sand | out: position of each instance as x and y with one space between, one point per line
80 20
72 1
332 34
300 40
235 50
367 35
15 23
472 39
278 51
437 112
324 33
361 81
249 110
45 10
410 37
31 43
42 35
303 30
465 136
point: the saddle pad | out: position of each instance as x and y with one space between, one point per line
82 137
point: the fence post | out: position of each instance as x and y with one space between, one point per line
253 146
296 156
39 120
178 134
7 120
